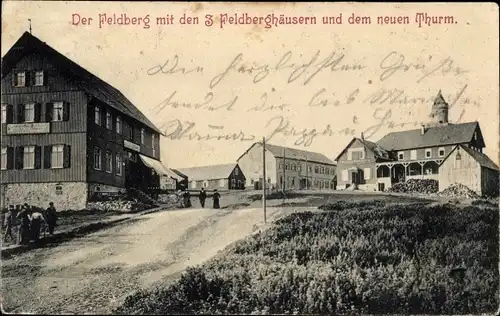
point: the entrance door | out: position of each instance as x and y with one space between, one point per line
354 177
381 187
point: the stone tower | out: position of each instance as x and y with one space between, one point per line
439 112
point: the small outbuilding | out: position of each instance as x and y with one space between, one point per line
470 167
222 177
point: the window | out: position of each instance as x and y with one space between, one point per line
130 131
413 155
4 158
29 112
475 135
299 168
428 153
294 167
205 184
236 171
109 122
97 115
57 112
119 165
29 157
367 173
286 167
38 78
322 170
97 158
4 113
316 169
441 152
309 168
57 156
357 155
327 170
281 166
222 183
118 125
233 183
142 135
401 155
132 156
109 162
20 79
345 175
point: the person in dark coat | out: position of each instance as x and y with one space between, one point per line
203 197
24 227
51 217
216 198
8 223
187 199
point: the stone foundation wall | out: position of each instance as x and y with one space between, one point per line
65 195
104 188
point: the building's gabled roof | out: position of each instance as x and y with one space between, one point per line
207 172
378 151
481 158
90 83
293 153
434 136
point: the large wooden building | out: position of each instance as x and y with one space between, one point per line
221 177
67 134
412 154
287 168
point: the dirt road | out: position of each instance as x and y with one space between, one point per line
95 273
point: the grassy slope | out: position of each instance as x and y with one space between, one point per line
372 259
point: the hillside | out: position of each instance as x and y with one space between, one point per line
375 258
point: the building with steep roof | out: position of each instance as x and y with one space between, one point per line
464 165
221 177
409 154
67 134
287 168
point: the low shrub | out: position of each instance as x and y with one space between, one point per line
407 259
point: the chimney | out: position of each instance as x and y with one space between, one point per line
422 129
362 137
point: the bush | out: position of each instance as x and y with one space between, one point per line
393 259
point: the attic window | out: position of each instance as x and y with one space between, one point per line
39 78
458 156
20 79
441 152
475 135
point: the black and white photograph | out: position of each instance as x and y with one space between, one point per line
219 158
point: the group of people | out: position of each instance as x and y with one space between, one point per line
30 222
186 198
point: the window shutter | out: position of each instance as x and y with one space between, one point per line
67 156
47 162
38 112
66 111
33 78
14 79
48 112
367 173
20 113
10 113
45 77
10 158
19 156
38 157
27 78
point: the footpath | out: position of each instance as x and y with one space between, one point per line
75 231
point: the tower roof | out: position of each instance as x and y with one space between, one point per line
439 100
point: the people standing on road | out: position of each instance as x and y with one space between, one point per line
203 197
187 199
51 216
24 226
36 224
180 198
216 198
8 223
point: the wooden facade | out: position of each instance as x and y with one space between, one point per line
49 129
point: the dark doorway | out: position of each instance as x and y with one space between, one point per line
381 187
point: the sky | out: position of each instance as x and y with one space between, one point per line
309 86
